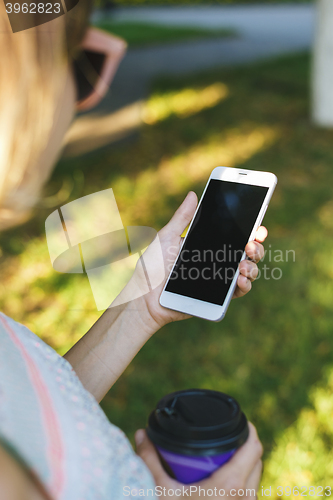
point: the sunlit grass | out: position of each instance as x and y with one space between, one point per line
185 103
179 173
273 351
303 453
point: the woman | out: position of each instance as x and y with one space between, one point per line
55 441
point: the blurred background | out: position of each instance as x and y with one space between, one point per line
203 85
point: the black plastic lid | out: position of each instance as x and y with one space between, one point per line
198 422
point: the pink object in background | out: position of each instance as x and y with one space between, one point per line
113 49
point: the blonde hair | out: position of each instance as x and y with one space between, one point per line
33 69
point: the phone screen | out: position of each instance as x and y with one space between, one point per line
216 241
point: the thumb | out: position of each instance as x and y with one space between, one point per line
183 215
146 450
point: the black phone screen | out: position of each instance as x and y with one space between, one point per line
216 241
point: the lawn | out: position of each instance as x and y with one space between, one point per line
143 34
273 351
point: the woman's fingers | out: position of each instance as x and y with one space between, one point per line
242 472
255 251
254 478
183 215
146 450
261 234
237 472
248 269
244 285
248 272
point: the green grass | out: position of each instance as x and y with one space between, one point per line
138 34
274 349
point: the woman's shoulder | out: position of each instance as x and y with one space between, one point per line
46 412
15 330
19 341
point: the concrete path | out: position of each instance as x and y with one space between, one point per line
262 32
291 22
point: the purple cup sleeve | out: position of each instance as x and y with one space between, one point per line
189 469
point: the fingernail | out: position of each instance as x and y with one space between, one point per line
139 437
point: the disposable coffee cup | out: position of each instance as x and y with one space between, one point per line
196 432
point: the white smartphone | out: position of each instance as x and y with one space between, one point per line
204 276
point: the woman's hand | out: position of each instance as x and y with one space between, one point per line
238 479
102 355
170 240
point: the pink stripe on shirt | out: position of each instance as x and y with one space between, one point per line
55 450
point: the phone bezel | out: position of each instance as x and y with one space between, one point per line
207 310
